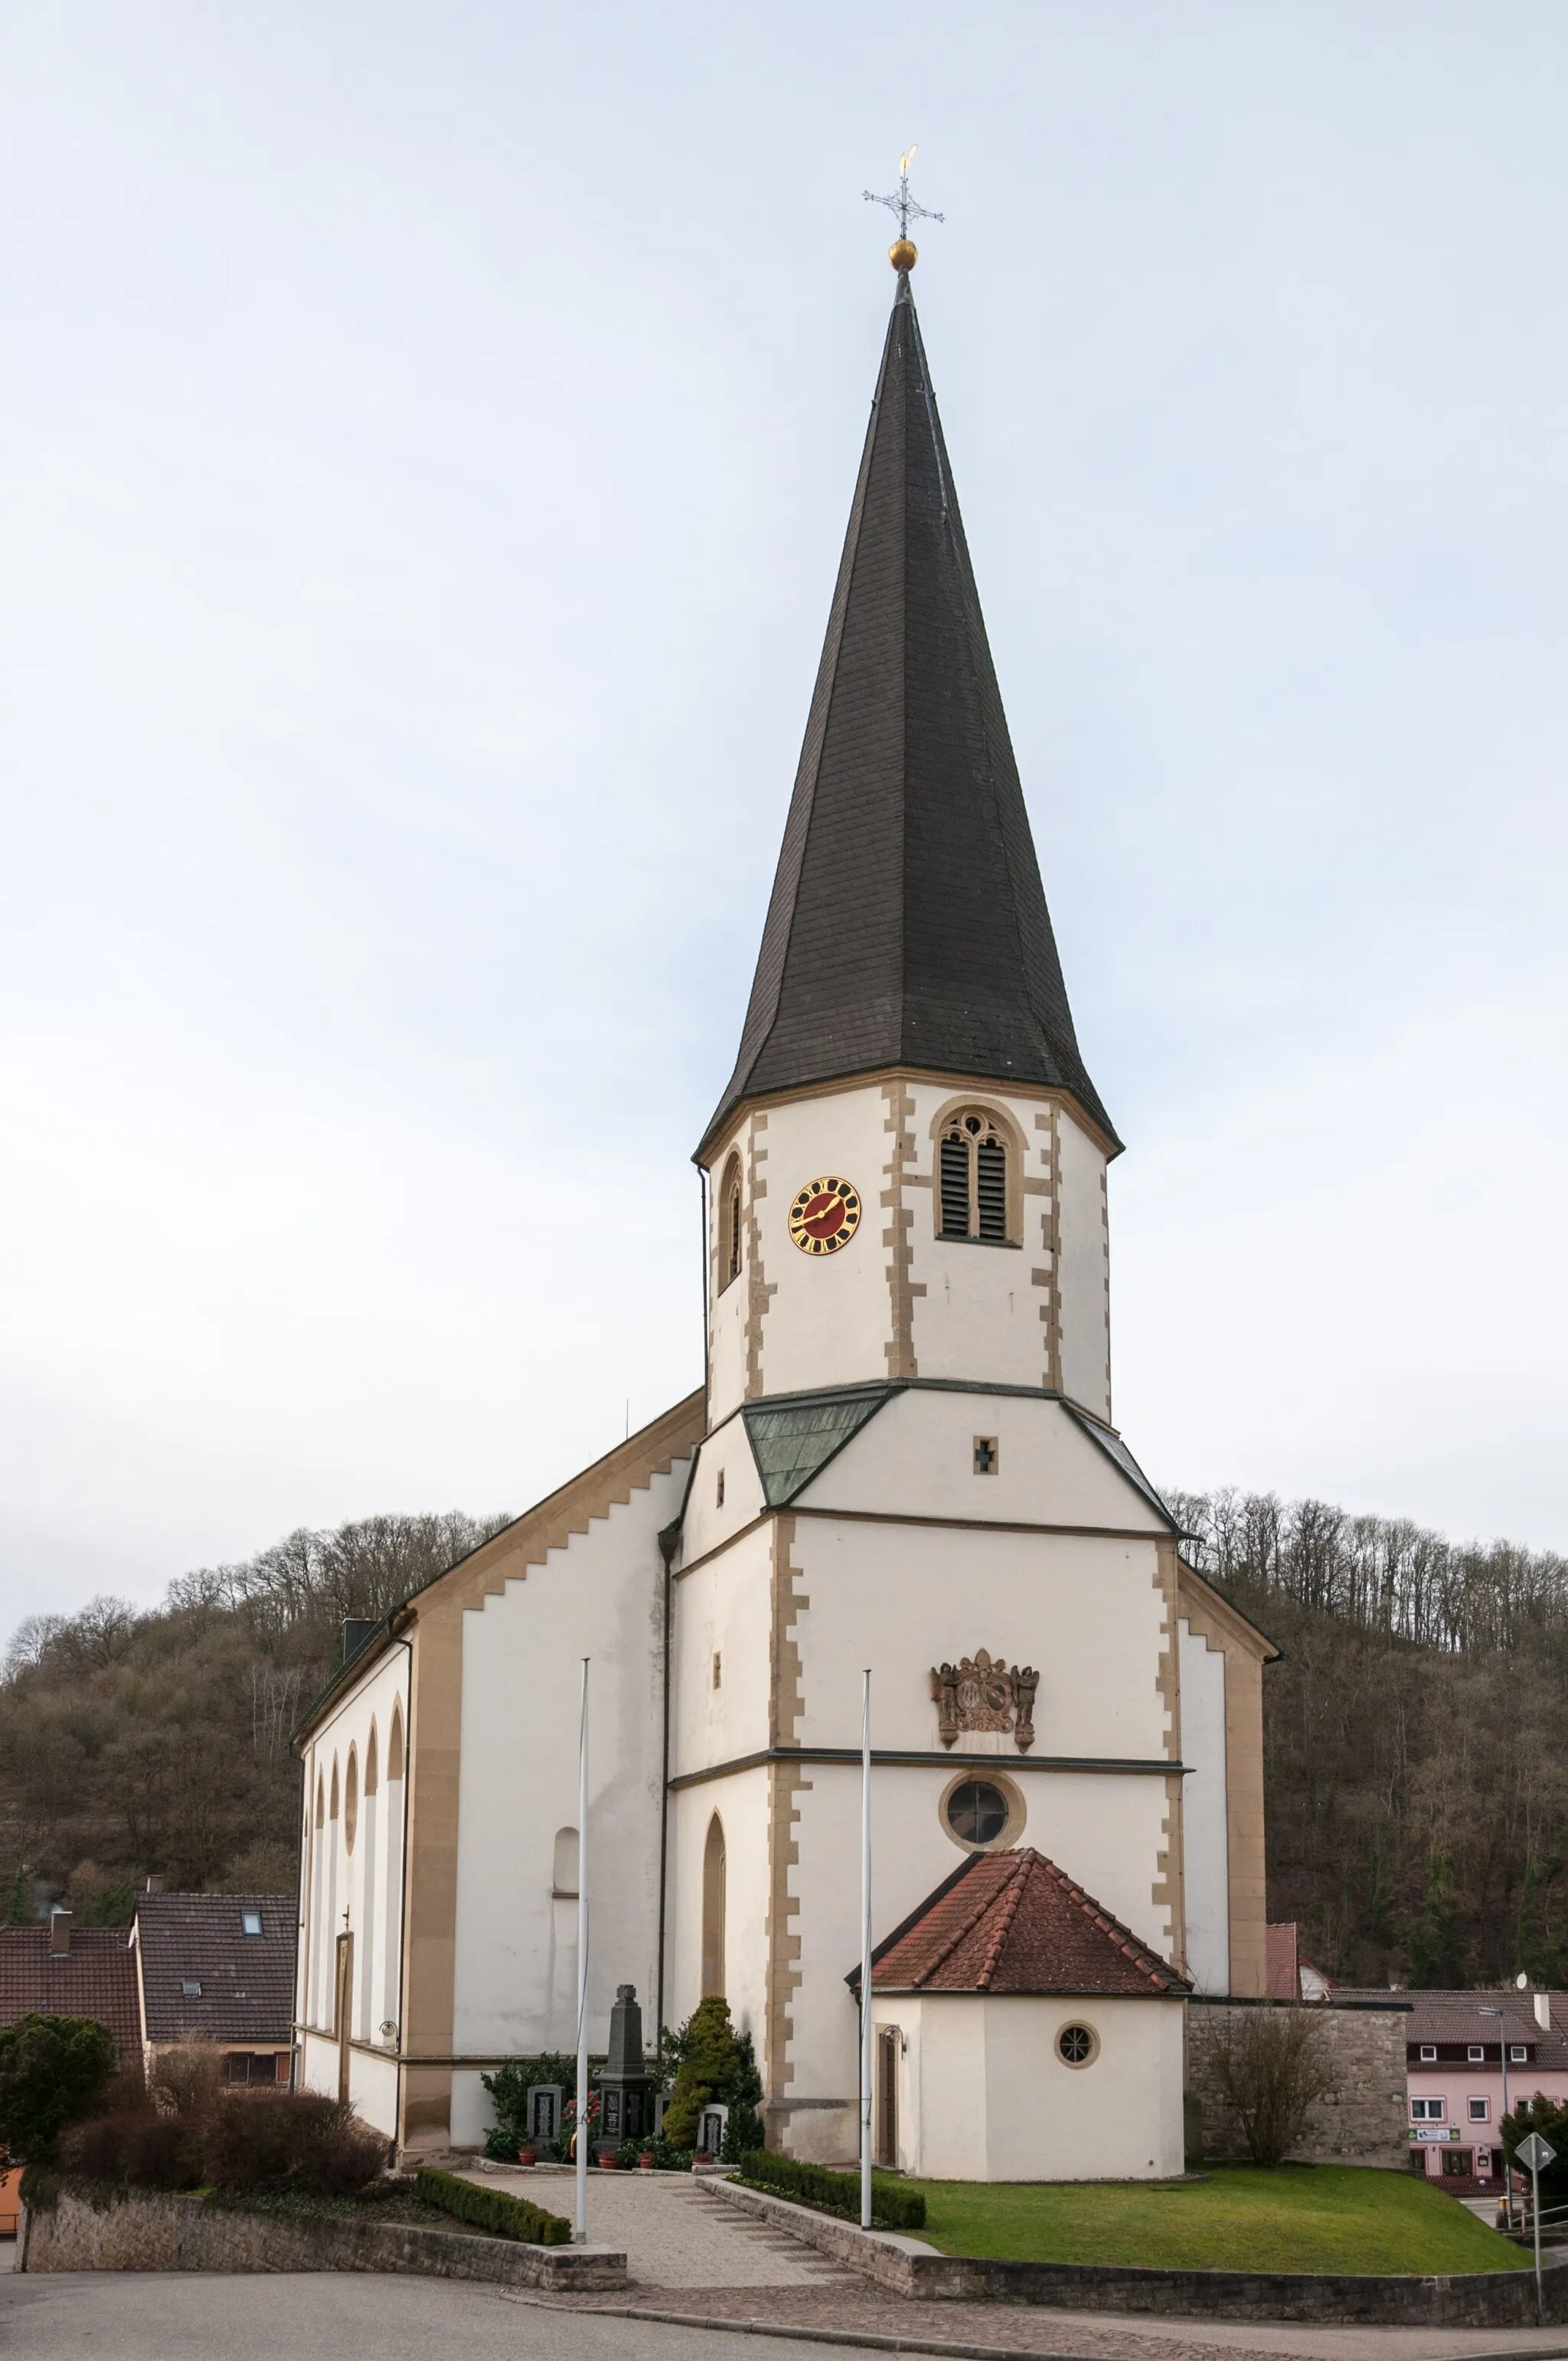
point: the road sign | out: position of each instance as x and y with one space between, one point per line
1535 2154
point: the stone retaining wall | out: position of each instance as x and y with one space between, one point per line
908 2267
1364 2121
144 2230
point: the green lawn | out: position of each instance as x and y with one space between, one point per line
1301 2218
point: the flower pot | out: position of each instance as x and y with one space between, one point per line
644 2164
528 2155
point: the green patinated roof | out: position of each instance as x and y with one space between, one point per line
794 1441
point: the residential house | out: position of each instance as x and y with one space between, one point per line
59 1969
219 1968
1457 2074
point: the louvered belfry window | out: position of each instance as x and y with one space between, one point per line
973 1180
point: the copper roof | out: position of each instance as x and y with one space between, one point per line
1013 1922
244 1983
96 1977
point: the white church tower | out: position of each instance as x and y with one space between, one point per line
903 1458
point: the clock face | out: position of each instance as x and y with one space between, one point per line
825 1215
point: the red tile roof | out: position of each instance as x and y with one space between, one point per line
244 1983
96 1977
1013 1922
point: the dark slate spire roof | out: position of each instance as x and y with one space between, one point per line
908 924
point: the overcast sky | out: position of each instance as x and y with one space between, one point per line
427 436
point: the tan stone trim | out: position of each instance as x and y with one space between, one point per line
1037 1095
983 1524
1048 1278
759 1292
1105 1260
435 1736
902 1287
1211 1613
786 1709
1168 1891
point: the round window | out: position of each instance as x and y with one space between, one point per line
977 1812
1078 2044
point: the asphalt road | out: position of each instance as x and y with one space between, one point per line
332 2316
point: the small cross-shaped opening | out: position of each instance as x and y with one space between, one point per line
986 1455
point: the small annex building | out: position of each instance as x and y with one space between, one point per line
991 2003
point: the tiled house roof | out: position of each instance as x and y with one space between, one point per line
1450 2022
96 1977
246 1983
1013 1922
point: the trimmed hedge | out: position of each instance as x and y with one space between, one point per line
492 2209
893 2207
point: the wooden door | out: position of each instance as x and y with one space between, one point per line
888 2043
343 2009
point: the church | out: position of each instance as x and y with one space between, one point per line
902 1456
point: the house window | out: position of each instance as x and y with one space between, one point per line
972 1180
1480 2109
978 1812
251 1922
190 1988
1426 2111
1517 2054
986 1455
1429 2053
730 1224
1476 2054
1457 2163
250 2067
1078 2044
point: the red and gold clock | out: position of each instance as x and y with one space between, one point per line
825 1215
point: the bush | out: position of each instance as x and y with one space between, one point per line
509 2085
187 2079
299 2141
893 2207
1271 2066
1550 2118
492 2209
53 2070
135 2150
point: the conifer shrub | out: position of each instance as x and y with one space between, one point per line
894 2206
492 2209
53 2070
713 2063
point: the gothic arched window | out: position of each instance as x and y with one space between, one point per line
730 1224
713 1903
972 1178
351 1800
395 1743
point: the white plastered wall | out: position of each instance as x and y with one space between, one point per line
984 2095
1204 1815
357 1892
741 1802
1085 1272
601 1597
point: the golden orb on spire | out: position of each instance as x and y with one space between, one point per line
903 253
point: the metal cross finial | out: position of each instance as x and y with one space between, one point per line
904 204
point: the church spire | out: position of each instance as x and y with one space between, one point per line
908 925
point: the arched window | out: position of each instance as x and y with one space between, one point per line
351 1799
564 1875
973 1177
372 1778
395 1741
331 1801
730 1224
713 1910
321 1801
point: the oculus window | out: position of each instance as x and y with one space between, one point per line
1078 2044
978 1812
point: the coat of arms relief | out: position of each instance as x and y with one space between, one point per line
985 1691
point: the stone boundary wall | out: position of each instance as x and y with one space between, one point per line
1365 2120
146 2230
1469 2299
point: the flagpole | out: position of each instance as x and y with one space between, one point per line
580 2231
866 1955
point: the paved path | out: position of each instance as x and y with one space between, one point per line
677 2236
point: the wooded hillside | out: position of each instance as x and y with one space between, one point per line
1418 1790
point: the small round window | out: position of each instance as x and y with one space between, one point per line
1078 2044
978 1812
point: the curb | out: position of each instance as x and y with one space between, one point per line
868 2340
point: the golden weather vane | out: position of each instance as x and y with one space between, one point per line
903 252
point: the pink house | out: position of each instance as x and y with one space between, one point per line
1456 2070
